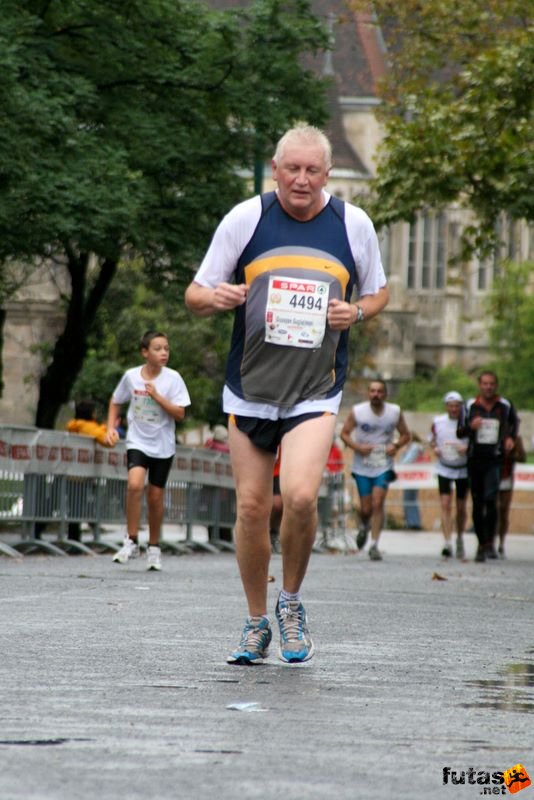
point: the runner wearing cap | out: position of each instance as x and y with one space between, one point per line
451 453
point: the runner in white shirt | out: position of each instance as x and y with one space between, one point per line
369 430
451 468
157 397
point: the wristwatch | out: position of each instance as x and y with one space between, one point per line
360 315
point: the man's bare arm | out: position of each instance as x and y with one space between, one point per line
204 301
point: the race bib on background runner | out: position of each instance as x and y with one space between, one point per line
295 314
488 433
449 451
377 457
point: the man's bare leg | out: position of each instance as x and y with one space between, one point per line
253 475
378 498
445 501
461 516
461 520
366 510
304 455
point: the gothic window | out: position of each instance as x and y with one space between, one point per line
428 251
412 257
441 250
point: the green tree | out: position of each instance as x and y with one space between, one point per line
425 393
198 346
511 307
457 111
125 128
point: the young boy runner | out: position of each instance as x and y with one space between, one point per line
157 397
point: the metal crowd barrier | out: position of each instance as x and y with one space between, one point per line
61 478
334 508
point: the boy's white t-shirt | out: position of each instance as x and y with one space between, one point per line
150 428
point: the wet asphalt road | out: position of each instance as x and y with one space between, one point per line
114 686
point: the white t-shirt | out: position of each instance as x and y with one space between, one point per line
230 239
378 430
451 463
150 428
237 228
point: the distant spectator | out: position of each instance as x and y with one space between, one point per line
336 462
277 508
120 426
85 424
412 454
335 475
219 443
219 440
506 489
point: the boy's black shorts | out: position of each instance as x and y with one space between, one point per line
158 468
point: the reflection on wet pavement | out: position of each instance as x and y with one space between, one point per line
514 691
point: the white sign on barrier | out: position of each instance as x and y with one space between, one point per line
415 476
524 477
45 452
423 476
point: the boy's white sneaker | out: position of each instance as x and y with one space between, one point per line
153 558
129 549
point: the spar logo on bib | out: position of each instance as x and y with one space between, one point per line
294 286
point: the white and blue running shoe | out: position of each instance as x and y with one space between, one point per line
254 644
296 644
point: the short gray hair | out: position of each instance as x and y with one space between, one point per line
306 134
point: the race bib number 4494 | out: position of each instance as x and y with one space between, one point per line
295 314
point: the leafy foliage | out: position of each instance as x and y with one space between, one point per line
457 111
126 128
362 342
511 307
425 393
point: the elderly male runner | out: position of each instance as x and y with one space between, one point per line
287 262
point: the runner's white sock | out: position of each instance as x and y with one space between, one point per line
287 596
